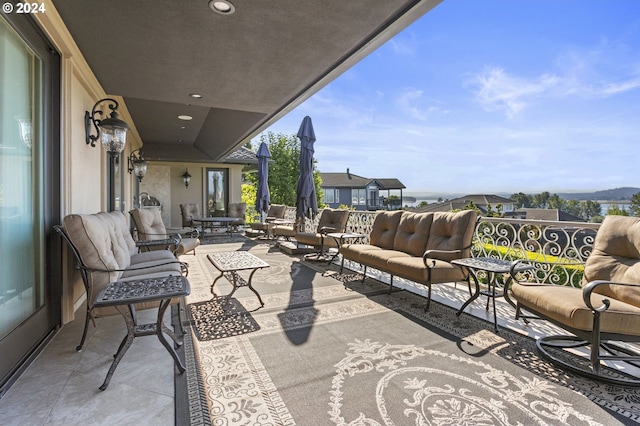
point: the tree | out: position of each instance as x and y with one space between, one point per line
591 210
521 200
284 169
634 208
614 209
541 200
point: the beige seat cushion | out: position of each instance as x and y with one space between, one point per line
379 258
414 269
566 306
353 251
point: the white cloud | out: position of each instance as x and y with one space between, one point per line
499 91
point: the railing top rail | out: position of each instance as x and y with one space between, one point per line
547 223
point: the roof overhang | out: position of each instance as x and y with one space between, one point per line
251 67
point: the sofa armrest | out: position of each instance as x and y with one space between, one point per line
429 255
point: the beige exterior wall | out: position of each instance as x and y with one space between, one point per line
164 182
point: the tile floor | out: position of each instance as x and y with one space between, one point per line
61 386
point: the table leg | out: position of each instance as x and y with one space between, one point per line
475 295
159 329
124 346
253 289
215 281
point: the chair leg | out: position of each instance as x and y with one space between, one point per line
426 308
84 332
364 273
390 284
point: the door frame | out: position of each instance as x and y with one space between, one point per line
21 346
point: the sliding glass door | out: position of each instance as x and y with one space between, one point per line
28 69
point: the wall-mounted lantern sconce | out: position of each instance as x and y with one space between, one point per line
137 164
186 178
111 131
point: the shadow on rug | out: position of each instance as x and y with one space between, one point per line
219 318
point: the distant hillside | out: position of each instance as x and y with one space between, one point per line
616 194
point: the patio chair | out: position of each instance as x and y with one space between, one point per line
105 252
602 317
286 231
276 211
149 226
188 212
330 221
237 210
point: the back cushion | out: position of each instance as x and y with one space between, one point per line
277 211
237 210
413 232
149 223
93 242
384 229
113 224
616 257
188 212
336 219
452 231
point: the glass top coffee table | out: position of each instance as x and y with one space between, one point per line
229 263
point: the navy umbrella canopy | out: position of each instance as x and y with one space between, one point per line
263 198
306 202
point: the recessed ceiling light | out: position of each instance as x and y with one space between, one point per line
185 117
195 95
183 127
180 140
223 7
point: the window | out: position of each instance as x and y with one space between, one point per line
358 196
331 195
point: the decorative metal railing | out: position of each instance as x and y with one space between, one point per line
557 249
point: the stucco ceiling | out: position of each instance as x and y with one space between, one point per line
251 67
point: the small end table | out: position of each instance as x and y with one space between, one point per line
340 238
492 267
228 263
124 294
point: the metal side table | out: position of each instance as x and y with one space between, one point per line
124 294
492 267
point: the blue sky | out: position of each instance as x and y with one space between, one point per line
482 96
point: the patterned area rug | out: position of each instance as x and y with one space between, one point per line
330 350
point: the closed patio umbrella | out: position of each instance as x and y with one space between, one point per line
306 203
263 199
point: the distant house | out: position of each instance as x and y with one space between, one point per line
482 202
546 214
360 192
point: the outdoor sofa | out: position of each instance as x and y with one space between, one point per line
105 252
416 246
